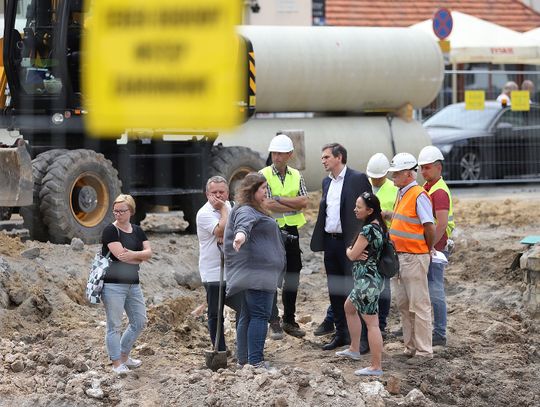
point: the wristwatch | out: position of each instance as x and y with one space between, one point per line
277 198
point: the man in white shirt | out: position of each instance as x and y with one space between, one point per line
335 230
211 220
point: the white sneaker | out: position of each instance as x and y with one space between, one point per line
263 364
121 369
349 354
133 362
266 366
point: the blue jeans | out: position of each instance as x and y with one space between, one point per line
385 299
117 298
253 325
437 297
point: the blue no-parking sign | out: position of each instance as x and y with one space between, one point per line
442 23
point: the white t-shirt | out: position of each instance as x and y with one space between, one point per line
502 97
209 255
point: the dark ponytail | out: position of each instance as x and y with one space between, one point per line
371 201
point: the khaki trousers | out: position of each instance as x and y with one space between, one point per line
412 296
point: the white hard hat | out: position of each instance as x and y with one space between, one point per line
281 144
402 161
377 166
429 154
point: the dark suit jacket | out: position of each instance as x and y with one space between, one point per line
354 184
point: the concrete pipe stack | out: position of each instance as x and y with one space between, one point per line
349 80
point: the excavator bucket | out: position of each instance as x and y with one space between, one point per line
16 183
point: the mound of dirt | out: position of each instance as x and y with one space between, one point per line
52 350
499 212
10 246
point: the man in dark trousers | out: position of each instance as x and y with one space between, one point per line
336 229
287 196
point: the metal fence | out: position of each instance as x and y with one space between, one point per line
493 145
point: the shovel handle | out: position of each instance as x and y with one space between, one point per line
220 298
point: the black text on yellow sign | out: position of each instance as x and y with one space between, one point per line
521 100
169 63
475 99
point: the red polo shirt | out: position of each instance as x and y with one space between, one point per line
441 202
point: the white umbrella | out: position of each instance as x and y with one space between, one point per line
476 40
533 34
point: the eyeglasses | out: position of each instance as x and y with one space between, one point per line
120 211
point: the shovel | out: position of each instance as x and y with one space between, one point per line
216 359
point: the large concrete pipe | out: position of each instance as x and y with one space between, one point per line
361 136
343 69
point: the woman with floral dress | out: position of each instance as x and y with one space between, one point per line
368 284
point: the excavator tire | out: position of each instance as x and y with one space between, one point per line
234 163
33 219
77 195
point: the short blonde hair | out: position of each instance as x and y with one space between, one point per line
128 200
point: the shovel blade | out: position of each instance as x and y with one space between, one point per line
215 360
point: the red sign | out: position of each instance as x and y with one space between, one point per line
442 23
502 51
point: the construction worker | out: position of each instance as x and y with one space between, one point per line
386 192
287 196
430 160
413 232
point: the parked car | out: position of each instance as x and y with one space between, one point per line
491 144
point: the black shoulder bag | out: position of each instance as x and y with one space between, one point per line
388 265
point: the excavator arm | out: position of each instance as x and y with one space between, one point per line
16 181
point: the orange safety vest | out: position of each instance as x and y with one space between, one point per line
406 230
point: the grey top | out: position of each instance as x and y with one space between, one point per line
260 262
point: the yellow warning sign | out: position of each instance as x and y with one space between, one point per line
166 63
521 100
475 99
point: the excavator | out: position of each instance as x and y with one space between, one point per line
323 84
62 179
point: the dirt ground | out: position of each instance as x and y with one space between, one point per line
52 350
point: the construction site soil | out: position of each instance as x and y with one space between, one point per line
52 350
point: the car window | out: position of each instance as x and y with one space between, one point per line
456 116
515 118
534 117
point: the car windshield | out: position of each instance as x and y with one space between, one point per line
455 116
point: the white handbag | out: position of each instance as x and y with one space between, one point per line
94 286
98 270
